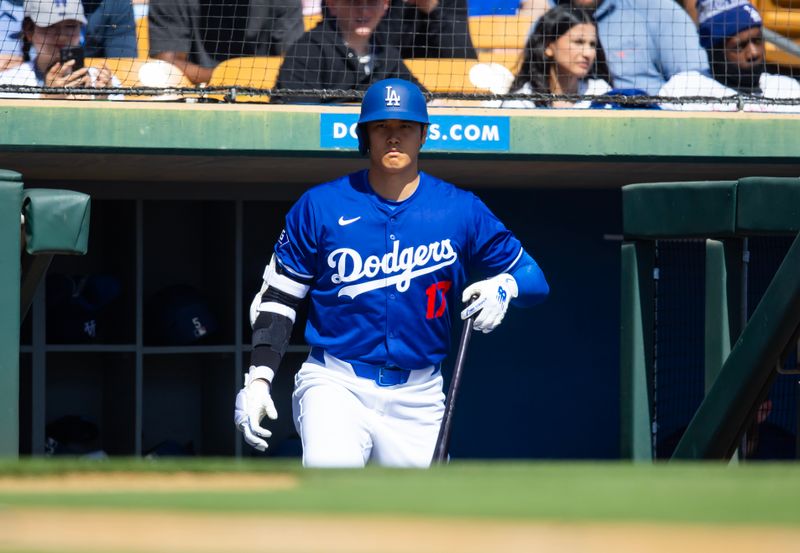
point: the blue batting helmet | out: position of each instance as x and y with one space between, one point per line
390 99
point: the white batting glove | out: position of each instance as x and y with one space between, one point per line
494 295
253 403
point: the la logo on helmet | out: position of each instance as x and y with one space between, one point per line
392 97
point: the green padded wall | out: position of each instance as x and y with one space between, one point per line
57 221
10 204
768 204
685 209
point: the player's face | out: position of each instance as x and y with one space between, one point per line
746 49
574 52
394 145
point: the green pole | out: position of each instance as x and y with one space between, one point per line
636 352
717 329
10 208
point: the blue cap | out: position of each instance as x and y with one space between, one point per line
391 99
719 20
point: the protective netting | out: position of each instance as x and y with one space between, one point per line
679 379
772 436
721 55
678 356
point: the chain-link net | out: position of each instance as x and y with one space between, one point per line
720 55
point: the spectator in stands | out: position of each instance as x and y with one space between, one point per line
732 32
110 30
11 14
424 28
45 31
561 57
647 43
429 28
533 8
344 52
140 8
197 35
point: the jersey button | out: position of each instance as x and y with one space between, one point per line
393 219
391 335
391 296
391 236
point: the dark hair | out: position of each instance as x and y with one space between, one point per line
535 66
27 26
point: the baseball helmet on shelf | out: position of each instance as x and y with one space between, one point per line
390 99
179 315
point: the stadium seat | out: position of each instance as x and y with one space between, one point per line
783 17
510 59
310 21
460 75
443 75
493 32
254 72
785 5
142 37
137 72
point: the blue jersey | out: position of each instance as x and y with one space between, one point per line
385 276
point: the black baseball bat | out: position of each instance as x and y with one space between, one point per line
443 441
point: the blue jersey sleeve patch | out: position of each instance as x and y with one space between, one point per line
296 247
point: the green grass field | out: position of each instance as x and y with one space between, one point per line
570 492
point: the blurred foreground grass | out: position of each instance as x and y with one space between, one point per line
575 491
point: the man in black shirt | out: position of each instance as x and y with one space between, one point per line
429 28
343 53
196 35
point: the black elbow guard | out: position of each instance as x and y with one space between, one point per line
271 333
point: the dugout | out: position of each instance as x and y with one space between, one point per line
711 319
191 196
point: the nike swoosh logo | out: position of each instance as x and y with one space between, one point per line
344 222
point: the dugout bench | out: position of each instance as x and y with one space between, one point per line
52 222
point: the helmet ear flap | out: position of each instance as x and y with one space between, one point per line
363 139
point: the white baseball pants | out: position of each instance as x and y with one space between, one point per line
347 421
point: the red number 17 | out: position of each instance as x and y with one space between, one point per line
434 290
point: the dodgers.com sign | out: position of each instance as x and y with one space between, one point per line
472 133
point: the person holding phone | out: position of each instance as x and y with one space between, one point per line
52 50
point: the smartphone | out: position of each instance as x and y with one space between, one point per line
73 53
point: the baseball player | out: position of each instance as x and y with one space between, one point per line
382 255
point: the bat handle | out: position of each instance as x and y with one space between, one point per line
443 440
